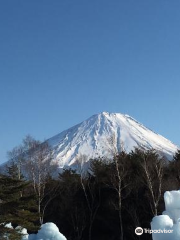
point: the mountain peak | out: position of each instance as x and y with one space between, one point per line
91 138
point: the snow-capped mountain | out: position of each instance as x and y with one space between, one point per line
104 133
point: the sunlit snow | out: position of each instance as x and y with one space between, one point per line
48 231
92 138
170 220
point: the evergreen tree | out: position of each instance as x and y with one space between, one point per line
15 207
174 166
177 156
12 234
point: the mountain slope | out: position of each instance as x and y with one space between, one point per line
95 137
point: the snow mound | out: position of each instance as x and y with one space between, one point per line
161 222
23 231
172 204
48 231
9 225
19 229
169 222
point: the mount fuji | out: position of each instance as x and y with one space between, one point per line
93 138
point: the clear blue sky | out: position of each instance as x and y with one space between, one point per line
63 60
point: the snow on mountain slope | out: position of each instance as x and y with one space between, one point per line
92 138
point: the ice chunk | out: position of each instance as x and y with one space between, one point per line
170 220
172 200
174 214
162 222
172 204
32 237
176 231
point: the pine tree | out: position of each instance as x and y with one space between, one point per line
12 234
177 156
15 207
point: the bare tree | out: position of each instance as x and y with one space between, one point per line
34 161
152 166
117 178
19 155
78 219
92 197
16 157
38 168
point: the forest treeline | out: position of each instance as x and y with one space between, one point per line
107 201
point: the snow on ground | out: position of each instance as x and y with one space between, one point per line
48 231
169 222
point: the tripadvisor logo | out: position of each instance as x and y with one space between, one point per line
138 231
